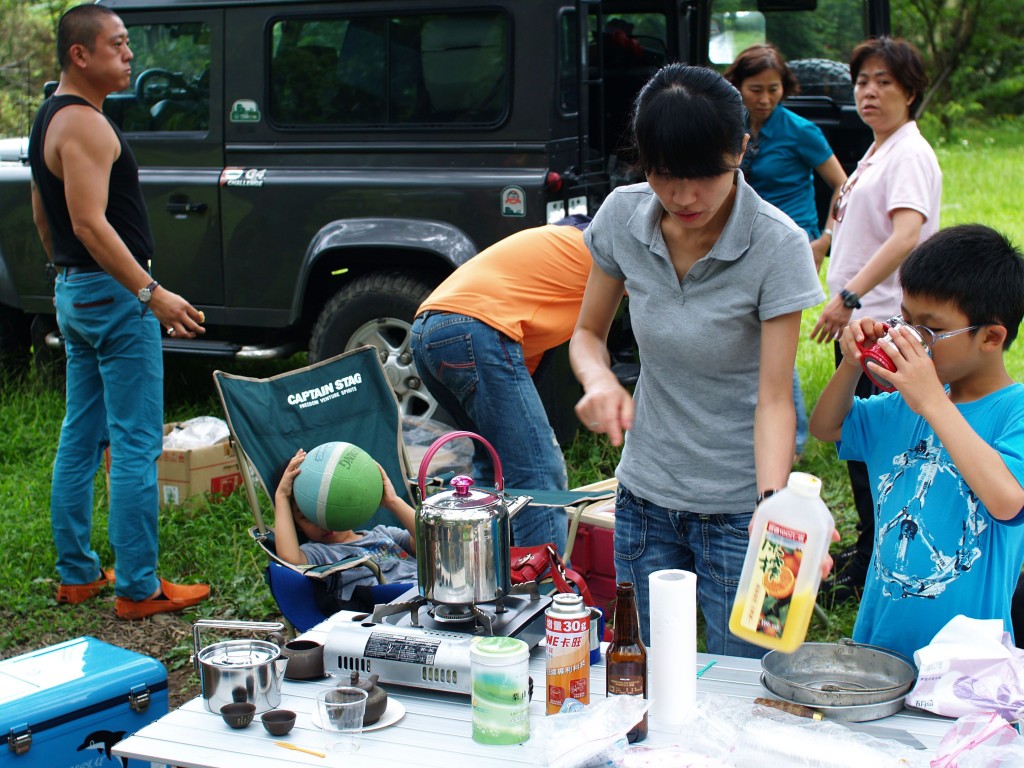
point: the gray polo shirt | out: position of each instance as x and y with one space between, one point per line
692 443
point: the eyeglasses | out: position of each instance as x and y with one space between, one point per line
839 209
929 337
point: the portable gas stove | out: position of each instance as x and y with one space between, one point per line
411 641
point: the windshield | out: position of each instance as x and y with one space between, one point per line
829 32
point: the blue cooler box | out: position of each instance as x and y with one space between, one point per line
66 706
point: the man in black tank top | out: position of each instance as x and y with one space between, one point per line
88 207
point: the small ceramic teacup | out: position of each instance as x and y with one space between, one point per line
305 660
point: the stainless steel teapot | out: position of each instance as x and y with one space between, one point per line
463 535
235 671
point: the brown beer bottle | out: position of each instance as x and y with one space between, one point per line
626 658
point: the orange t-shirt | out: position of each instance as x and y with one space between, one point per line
529 286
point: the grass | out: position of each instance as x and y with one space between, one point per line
208 541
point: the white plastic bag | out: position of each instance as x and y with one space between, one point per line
196 433
591 737
970 666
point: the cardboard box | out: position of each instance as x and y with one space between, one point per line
183 474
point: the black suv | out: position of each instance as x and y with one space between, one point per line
313 169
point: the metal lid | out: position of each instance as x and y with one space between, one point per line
232 654
498 650
465 496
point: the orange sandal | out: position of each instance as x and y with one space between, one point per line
173 597
73 594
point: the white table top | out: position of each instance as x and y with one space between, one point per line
436 729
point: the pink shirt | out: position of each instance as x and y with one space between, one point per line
902 173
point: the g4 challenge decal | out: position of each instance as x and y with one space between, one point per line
242 177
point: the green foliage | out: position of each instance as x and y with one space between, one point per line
27 59
985 78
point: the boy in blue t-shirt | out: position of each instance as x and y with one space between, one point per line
945 451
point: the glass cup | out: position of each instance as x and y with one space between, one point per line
341 713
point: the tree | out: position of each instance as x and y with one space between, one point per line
968 46
27 59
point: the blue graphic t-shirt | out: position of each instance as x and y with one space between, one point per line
389 547
938 552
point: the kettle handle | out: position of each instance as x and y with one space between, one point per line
273 627
499 480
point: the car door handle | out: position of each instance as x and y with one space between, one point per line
179 208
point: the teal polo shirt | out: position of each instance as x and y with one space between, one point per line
780 166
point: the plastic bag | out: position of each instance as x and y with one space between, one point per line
592 737
455 456
980 741
727 731
196 433
971 666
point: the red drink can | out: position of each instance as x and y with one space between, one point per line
567 639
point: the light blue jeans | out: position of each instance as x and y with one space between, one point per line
650 538
115 397
479 376
801 413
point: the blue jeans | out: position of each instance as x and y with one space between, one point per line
650 538
115 397
801 413
479 376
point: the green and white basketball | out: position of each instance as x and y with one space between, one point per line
339 487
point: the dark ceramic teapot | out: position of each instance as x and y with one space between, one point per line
376 697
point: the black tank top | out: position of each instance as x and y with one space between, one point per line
126 210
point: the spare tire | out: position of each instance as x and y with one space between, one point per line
823 77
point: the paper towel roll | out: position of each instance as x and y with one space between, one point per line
672 657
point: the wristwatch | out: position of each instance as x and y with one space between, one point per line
145 294
850 299
764 495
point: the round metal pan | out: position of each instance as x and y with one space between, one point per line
849 713
839 674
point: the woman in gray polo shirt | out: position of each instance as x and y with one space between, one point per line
717 279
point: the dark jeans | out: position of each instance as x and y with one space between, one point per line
860 483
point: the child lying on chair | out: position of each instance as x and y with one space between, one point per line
393 549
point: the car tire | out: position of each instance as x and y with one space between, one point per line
823 77
378 309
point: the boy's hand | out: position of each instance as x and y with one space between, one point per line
915 375
389 497
284 488
858 336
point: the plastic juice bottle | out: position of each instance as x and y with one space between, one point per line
789 539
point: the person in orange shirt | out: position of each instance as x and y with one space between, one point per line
477 340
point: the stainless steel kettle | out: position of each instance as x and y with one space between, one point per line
463 536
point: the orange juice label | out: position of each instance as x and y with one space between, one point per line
773 581
567 638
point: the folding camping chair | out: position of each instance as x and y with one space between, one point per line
347 398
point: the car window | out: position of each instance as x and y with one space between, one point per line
170 87
831 31
389 70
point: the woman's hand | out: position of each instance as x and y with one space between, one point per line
607 409
833 319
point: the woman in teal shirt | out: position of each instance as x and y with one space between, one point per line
784 152
787 148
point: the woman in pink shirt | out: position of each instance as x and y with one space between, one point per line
888 205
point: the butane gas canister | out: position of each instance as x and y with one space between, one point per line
567 637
